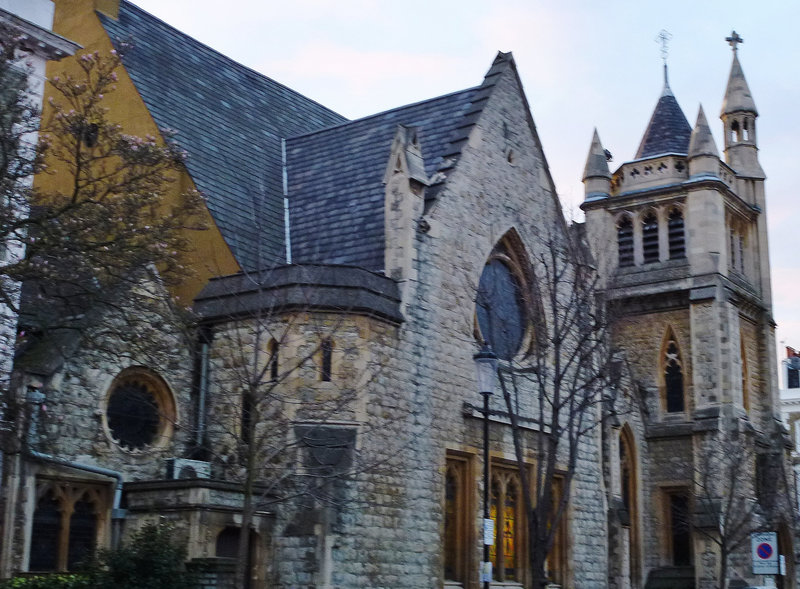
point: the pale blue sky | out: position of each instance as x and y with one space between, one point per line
583 63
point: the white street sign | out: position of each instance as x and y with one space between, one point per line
764 546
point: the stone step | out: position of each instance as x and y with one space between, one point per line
671 578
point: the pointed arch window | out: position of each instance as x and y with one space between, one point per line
676 235
735 132
650 238
745 374
457 519
504 509
625 242
227 546
678 514
674 397
67 525
629 491
504 303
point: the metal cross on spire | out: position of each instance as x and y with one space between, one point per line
734 40
663 37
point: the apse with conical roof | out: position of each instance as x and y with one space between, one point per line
668 130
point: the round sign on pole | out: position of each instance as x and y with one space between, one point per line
764 551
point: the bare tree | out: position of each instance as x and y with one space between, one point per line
288 380
726 509
103 216
554 392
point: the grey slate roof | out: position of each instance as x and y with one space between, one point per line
336 191
229 118
668 130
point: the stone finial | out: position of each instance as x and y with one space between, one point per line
737 94
597 162
702 141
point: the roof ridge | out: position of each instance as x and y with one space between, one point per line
452 154
382 113
218 53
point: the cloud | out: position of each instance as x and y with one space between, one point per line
366 81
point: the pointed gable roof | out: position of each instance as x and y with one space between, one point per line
229 118
668 130
737 93
335 178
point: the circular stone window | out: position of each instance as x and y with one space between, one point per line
501 309
139 410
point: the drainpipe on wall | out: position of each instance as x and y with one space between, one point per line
202 393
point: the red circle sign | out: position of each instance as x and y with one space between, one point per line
764 550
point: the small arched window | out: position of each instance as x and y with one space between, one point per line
677 240
735 132
273 350
326 359
650 238
673 378
625 242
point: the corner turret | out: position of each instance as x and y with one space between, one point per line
596 175
739 120
703 155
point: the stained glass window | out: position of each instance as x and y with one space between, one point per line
503 553
454 520
501 309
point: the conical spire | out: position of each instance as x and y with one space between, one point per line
737 94
597 162
668 130
702 141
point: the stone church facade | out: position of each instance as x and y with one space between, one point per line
336 295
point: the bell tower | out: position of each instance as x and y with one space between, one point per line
680 239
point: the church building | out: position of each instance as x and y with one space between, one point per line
325 406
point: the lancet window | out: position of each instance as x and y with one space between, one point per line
625 242
326 359
67 524
675 234
672 372
457 522
505 554
650 238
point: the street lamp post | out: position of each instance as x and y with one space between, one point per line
486 369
